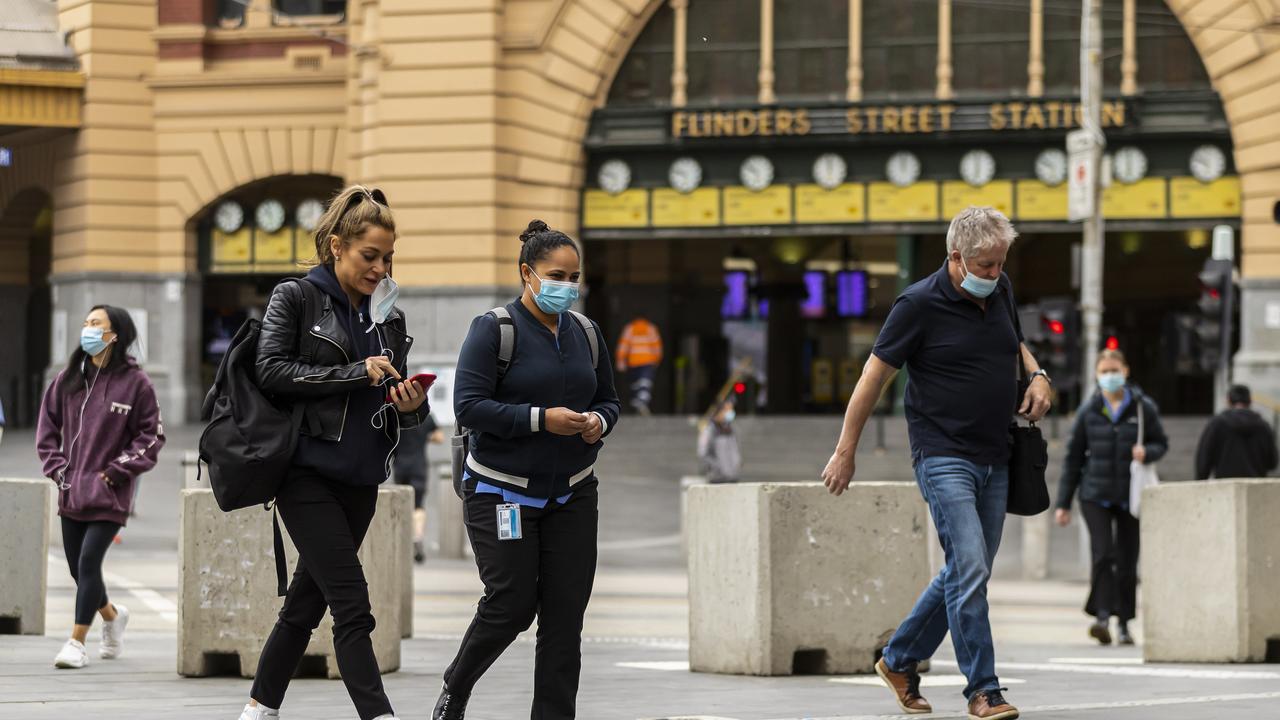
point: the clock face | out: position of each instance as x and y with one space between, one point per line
685 175
229 216
308 214
1051 166
269 216
903 168
614 176
1129 165
977 167
1208 163
756 173
829 171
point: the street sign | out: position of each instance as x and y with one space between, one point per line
1080 180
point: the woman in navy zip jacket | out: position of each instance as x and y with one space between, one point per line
537 432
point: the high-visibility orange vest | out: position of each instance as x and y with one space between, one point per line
639 345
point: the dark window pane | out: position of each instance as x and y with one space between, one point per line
230 13
811 49
310 7
645 75
724 51
1167 59
989 48
900 48
1061 47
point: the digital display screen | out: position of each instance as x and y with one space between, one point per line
736 295
815 301
851 293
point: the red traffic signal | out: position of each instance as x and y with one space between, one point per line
1113 343
739 388
1056 326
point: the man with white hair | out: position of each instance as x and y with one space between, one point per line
957 333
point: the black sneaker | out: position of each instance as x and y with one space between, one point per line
1124 637
419 552
450 706
1100 632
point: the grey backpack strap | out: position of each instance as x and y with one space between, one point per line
589 328
506 339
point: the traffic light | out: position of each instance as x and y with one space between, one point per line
1215 307
1061 346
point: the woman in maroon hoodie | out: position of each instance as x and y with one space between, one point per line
99 430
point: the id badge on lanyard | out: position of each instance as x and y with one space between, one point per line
509 522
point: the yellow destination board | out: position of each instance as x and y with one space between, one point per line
1143 199
273 248
672 208
231 249
771 206
1037 201
843 204
304 246
958 195
627 209
915 203
1190 198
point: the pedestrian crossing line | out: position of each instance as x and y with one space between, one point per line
1079 707
1143 671
927 680
1098 661
161 605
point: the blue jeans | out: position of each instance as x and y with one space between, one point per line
968 504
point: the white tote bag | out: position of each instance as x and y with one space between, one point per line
1141 475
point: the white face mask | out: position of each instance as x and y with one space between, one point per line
383 301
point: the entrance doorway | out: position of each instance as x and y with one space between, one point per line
26 232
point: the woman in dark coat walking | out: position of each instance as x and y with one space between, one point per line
1104 440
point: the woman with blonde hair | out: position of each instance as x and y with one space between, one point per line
336 342
1104 440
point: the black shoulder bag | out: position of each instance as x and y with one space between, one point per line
1028 453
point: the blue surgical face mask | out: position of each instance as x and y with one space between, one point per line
974 285
555 297
383 301
1111 381
91 341
730 416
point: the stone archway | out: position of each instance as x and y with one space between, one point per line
26 243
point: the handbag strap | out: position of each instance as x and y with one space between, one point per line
1142 424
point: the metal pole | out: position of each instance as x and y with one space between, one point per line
1092 251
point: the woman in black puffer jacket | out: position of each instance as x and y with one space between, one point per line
1104 440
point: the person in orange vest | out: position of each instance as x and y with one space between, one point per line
639 354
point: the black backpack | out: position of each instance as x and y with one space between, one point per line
250 438
461 445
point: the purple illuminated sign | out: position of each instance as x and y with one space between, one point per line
851 293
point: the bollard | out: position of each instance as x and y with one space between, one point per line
24 570
227 601
785 580
446 529
1209 571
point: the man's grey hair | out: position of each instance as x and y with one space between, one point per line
978 229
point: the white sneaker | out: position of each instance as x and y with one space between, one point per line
72 656
113 634
258 712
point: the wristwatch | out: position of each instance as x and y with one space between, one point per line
1041 373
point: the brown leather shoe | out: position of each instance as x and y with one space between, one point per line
905 687
990 705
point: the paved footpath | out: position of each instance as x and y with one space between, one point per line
634 664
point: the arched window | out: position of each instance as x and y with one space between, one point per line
811 49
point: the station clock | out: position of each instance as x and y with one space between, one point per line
1129 165
269 216
685 175
903 168
977 167
1051 167
830 171
756 173
614 176
308 213
229 217
1208 163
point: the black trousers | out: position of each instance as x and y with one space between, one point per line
1113 540
547 573
327 522
86 545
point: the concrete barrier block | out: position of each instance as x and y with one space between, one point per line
1211 571
786 579
446 528
24 572
227 601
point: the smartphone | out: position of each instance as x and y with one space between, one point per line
425 380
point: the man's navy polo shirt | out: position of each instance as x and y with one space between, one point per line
962 368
